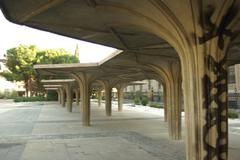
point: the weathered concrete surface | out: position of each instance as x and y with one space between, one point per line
202 36
43 130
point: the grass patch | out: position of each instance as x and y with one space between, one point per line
156 105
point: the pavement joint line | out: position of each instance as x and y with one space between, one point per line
79 121
59 136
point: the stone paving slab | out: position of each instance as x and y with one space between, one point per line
16 128
46 131
44 151
11 151
120 145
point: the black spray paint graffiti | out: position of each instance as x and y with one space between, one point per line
212 30
216 115
215 85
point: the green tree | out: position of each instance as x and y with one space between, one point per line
20 64
20 61
55 56
52 56
11 76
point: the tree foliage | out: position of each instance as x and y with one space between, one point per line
11 76
55 56
20 61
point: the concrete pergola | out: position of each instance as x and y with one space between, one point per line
198 37
67 86
103 73
54 89
64 86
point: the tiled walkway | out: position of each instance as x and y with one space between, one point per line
46 131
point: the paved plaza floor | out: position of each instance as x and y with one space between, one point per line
46 131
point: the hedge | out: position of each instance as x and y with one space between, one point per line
29 99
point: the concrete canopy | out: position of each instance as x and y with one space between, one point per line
58 83
52 86
123 68
118 72
51 89
127 28
64 86
200 35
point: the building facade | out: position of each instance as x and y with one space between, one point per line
234 86
150 88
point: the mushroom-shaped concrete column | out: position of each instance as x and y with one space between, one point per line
174 112
84 81
171 76
108 98
66 84
108 95
62 92
120 87
58 95
69 96
99 97
165 102
77 93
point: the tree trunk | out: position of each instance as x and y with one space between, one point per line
26 87
30 87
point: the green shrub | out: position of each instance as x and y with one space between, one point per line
29 99
156 105
144 101
232 114
137 101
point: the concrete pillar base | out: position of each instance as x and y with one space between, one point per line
120 97
99 98
69 97
62 97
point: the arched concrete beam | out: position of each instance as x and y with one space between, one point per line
84 80
172 90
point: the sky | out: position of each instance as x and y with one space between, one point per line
12 35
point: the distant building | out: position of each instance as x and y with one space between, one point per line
150 88
234 86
